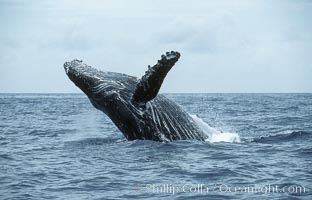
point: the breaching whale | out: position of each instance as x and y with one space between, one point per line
133 104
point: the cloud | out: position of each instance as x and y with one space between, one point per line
226 46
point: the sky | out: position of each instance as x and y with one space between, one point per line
225 45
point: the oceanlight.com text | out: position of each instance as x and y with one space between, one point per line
221 188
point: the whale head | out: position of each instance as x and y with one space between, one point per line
80 74
101 87
109 92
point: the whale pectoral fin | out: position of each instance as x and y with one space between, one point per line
149 85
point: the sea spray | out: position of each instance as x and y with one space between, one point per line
215 135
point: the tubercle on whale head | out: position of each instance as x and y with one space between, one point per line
75 71
83 76
101 87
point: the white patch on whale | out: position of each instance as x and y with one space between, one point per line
213 134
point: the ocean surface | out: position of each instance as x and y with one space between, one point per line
58 146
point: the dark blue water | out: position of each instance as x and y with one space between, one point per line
58 146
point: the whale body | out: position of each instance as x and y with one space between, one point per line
133 104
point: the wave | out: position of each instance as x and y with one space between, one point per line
94 141
213 134
284 137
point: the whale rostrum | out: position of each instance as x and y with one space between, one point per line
133 104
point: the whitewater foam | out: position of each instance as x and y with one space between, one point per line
215 135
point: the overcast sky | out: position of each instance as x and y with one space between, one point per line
226 45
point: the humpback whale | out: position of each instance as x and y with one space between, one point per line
133 104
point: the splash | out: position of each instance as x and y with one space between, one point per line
215 135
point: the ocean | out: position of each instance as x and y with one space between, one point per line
58 146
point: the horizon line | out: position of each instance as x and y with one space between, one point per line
166 93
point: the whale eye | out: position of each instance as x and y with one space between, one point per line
98 96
